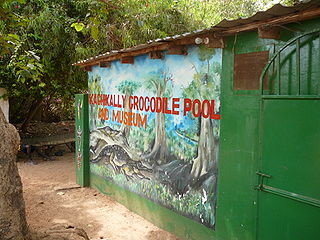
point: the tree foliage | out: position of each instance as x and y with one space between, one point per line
40 39
124 23
36 66
128 87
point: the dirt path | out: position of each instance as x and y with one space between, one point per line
100 216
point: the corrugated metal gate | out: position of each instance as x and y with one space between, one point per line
289 175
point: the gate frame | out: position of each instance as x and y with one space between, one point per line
264 96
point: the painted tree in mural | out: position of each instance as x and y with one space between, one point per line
159 152
205 86
127 88
94 85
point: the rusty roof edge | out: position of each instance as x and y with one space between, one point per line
115 52
150 44
217 29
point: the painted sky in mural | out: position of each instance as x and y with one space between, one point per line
154 129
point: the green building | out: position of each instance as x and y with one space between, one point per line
212 134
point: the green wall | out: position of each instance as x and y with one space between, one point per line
239 155
82 140
160 216
239 149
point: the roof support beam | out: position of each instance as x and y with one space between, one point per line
88 68
105 64
215 42
156 55
269 32
177 50
127 60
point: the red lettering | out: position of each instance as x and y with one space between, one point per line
158 105
129 121
175 106
103 113
165 106
212 114
135 102
143 122
130 102
99 99
141 103
186 106
118 103
196 110
206 108
103 101
147 106
108 97
152 104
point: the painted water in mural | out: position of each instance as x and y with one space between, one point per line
154 129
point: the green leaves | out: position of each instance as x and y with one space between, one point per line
78 26
27 71
95 32
40 39
14 37
30 65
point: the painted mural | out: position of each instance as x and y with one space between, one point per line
154 129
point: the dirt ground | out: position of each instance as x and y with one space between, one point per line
52 197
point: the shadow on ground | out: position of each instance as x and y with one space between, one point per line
53 199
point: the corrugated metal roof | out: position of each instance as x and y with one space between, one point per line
274 12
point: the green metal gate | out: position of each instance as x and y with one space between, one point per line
289 175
